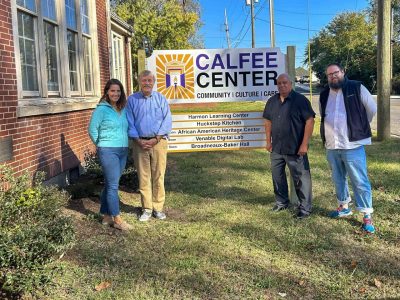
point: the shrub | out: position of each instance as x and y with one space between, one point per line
33 232
92 165
129 176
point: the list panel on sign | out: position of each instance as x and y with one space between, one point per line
217 131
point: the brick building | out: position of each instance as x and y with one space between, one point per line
55 58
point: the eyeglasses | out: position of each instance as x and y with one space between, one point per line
333 74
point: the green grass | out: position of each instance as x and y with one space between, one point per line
221 240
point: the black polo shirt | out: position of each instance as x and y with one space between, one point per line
288 120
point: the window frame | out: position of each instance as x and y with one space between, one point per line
64 93
72 93
87 92
58 61
28 94
121 53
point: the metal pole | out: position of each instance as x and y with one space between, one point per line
227 30
309 50
383 63
253 34
271 23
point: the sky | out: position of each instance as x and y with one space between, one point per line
291 22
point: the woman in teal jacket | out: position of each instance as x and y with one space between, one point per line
108 130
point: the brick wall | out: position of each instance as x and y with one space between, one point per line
51 143
8 77
102 35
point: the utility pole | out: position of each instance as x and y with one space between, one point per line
383 63
253 34
271 23
309 50
227 30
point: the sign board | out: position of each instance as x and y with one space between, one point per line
216 75
217 131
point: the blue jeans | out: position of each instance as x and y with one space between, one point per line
113 161
354 163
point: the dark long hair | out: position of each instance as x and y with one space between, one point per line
122 98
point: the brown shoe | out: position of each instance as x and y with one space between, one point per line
107 220
122 226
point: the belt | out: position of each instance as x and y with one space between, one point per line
146 137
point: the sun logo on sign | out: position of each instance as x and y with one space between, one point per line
175 76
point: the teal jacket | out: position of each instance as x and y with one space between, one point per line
107 127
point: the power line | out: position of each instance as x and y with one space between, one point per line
255 15
287 26
244 24
303 13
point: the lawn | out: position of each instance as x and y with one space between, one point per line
222 241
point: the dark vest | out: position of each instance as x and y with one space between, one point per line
357 121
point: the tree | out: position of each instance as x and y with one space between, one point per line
350 40
373 12
165 24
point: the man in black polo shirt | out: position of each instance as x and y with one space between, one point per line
289 125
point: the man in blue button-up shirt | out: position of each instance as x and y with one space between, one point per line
150 122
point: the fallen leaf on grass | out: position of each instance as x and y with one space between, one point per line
301 282
362 290
102 286
353 264
377 283
282 294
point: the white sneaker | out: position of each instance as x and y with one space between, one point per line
146 215
159 215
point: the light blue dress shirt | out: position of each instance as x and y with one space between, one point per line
148 116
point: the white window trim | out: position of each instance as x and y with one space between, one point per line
58 48
21 92
114 27
89 92
68 91
122 54
32 98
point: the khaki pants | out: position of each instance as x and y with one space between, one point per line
151 165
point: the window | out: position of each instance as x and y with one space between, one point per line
49 9
87 58
87 48
118 59
72 60
49 69
70 13
85 17
51 56
28 4
27 49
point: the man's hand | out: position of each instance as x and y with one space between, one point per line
147 144
303 149
269 147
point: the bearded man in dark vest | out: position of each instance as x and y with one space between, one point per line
347 108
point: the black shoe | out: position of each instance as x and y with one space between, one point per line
301 215
277 208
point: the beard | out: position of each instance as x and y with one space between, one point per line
337 85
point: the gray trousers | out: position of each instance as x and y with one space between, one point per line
300 171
